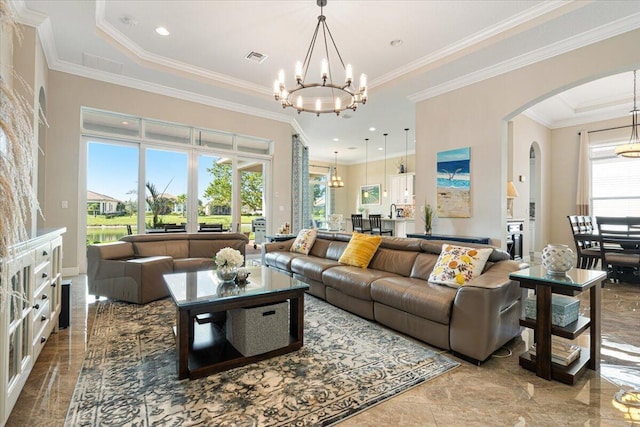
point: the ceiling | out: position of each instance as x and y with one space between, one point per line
445 45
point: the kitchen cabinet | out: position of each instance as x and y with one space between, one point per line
397 186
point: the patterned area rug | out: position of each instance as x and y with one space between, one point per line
346 365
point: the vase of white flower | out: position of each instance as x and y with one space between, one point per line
227 261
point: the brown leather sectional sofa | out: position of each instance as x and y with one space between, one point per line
473 321
131 269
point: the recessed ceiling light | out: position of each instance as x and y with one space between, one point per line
380 148
125 122
162 31
372 129
395 43
352 148
336 139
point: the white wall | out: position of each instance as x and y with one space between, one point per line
476 116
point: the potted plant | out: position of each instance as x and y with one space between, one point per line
428 217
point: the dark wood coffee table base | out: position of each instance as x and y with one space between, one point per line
202 346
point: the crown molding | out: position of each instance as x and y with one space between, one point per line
90 73
485 34
112 35
26 16
298 129
604 32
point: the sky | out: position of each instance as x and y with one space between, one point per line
112 170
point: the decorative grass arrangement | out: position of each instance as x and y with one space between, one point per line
19 198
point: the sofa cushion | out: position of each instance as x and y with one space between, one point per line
172 248
457 265
426 300
312 267
423 266
209 248
304 241
360 250
393 260
353 281
192 264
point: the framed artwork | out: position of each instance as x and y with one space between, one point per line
370 194
454 183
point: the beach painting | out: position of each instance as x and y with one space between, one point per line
454 183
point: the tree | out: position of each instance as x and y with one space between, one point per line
94 208
182 201
158 204
251 190
219 189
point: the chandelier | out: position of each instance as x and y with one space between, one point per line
632 149
329 97
336 181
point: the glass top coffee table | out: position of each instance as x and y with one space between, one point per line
201 303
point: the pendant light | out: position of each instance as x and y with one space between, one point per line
336 181
366 172
384 193
632 149
406 166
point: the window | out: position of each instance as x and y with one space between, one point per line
145 175
319 205
614 188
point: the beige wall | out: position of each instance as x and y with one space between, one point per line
376 175
476 116
68 93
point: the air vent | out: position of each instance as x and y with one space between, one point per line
100 63
346 116
256 57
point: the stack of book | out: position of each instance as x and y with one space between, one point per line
562 353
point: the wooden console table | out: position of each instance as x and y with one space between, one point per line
573 283
463 239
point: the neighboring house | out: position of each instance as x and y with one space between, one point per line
107 204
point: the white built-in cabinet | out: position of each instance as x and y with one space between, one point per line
397 186
30 302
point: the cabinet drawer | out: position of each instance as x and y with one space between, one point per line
43 253
42 275
41 298
41 319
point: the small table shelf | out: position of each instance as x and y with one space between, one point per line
574 282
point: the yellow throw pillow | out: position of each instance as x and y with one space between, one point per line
304 241
360 250
457 265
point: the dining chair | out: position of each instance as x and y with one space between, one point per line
358 224
129 230
619 245
587 252
375 222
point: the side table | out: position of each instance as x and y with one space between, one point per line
573 283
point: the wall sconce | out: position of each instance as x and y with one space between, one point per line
512 193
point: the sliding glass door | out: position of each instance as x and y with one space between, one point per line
166 189
112 182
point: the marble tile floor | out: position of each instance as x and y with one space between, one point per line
497 393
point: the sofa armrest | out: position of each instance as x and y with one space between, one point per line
278 246
486 312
